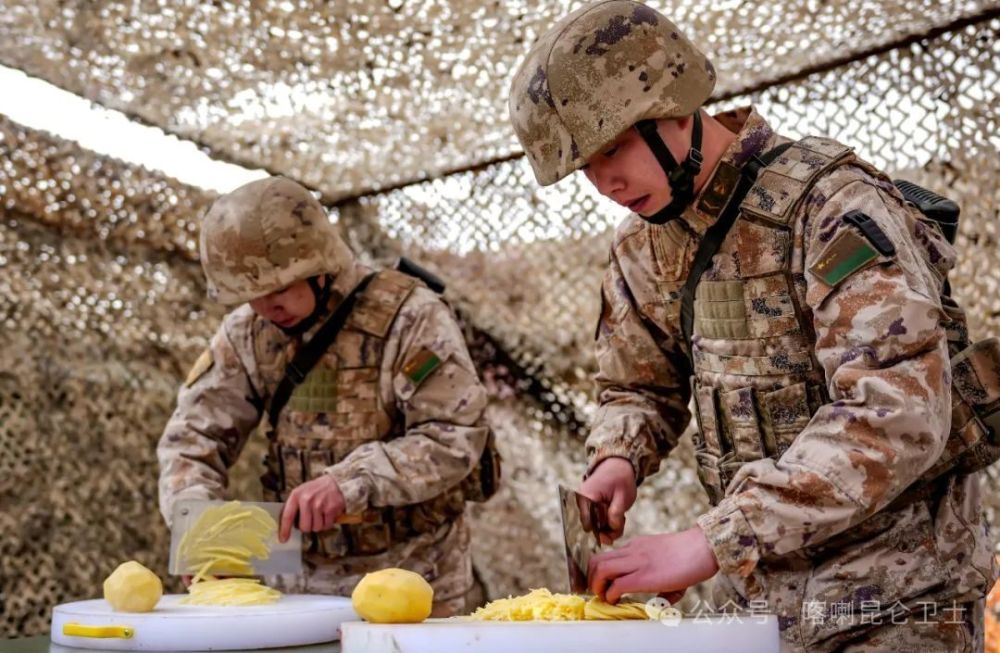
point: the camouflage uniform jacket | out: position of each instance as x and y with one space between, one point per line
396 436
807 435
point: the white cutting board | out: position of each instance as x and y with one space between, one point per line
758 634
293 620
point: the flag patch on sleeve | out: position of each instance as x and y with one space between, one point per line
845 255
421 365
202 365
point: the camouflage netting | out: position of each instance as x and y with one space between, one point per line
102 300
365 94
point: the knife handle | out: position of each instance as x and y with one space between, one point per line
599 518
366 517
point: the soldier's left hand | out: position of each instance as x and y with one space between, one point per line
658 564
317 503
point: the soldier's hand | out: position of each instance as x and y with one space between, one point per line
612 483
317 503
664 564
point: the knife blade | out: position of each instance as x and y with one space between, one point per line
231 538
582 520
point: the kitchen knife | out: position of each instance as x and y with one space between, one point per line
582 520
231 538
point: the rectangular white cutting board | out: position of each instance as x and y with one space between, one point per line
751 634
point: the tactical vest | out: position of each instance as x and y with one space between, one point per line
757 382
336 409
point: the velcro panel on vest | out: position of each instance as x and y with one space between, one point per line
317 393
380 302
719 310
781 186
745 309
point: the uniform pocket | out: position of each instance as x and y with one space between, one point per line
784 413
711 440
738 409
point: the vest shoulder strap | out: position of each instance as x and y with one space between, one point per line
713 237
380 302
784 183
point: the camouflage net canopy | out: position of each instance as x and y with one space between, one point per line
102 300
363 94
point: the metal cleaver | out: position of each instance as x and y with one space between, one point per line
582 520
266 555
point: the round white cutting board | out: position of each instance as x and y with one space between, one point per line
293 620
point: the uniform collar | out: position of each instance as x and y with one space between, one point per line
753 136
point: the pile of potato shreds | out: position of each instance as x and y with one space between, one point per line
230 591
221 542
543 605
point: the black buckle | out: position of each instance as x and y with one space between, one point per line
871 231
694 161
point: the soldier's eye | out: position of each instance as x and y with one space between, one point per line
611 152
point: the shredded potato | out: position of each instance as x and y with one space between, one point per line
543 605
230 591
597 610
224 538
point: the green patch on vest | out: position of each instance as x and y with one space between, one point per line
421 365
845 255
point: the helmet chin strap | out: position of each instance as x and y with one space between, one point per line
321 294
680 176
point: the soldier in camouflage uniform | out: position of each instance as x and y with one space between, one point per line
838 453
388 425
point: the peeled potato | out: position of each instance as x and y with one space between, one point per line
132 588
393 596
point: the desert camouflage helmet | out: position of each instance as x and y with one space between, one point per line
264 236
597 72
